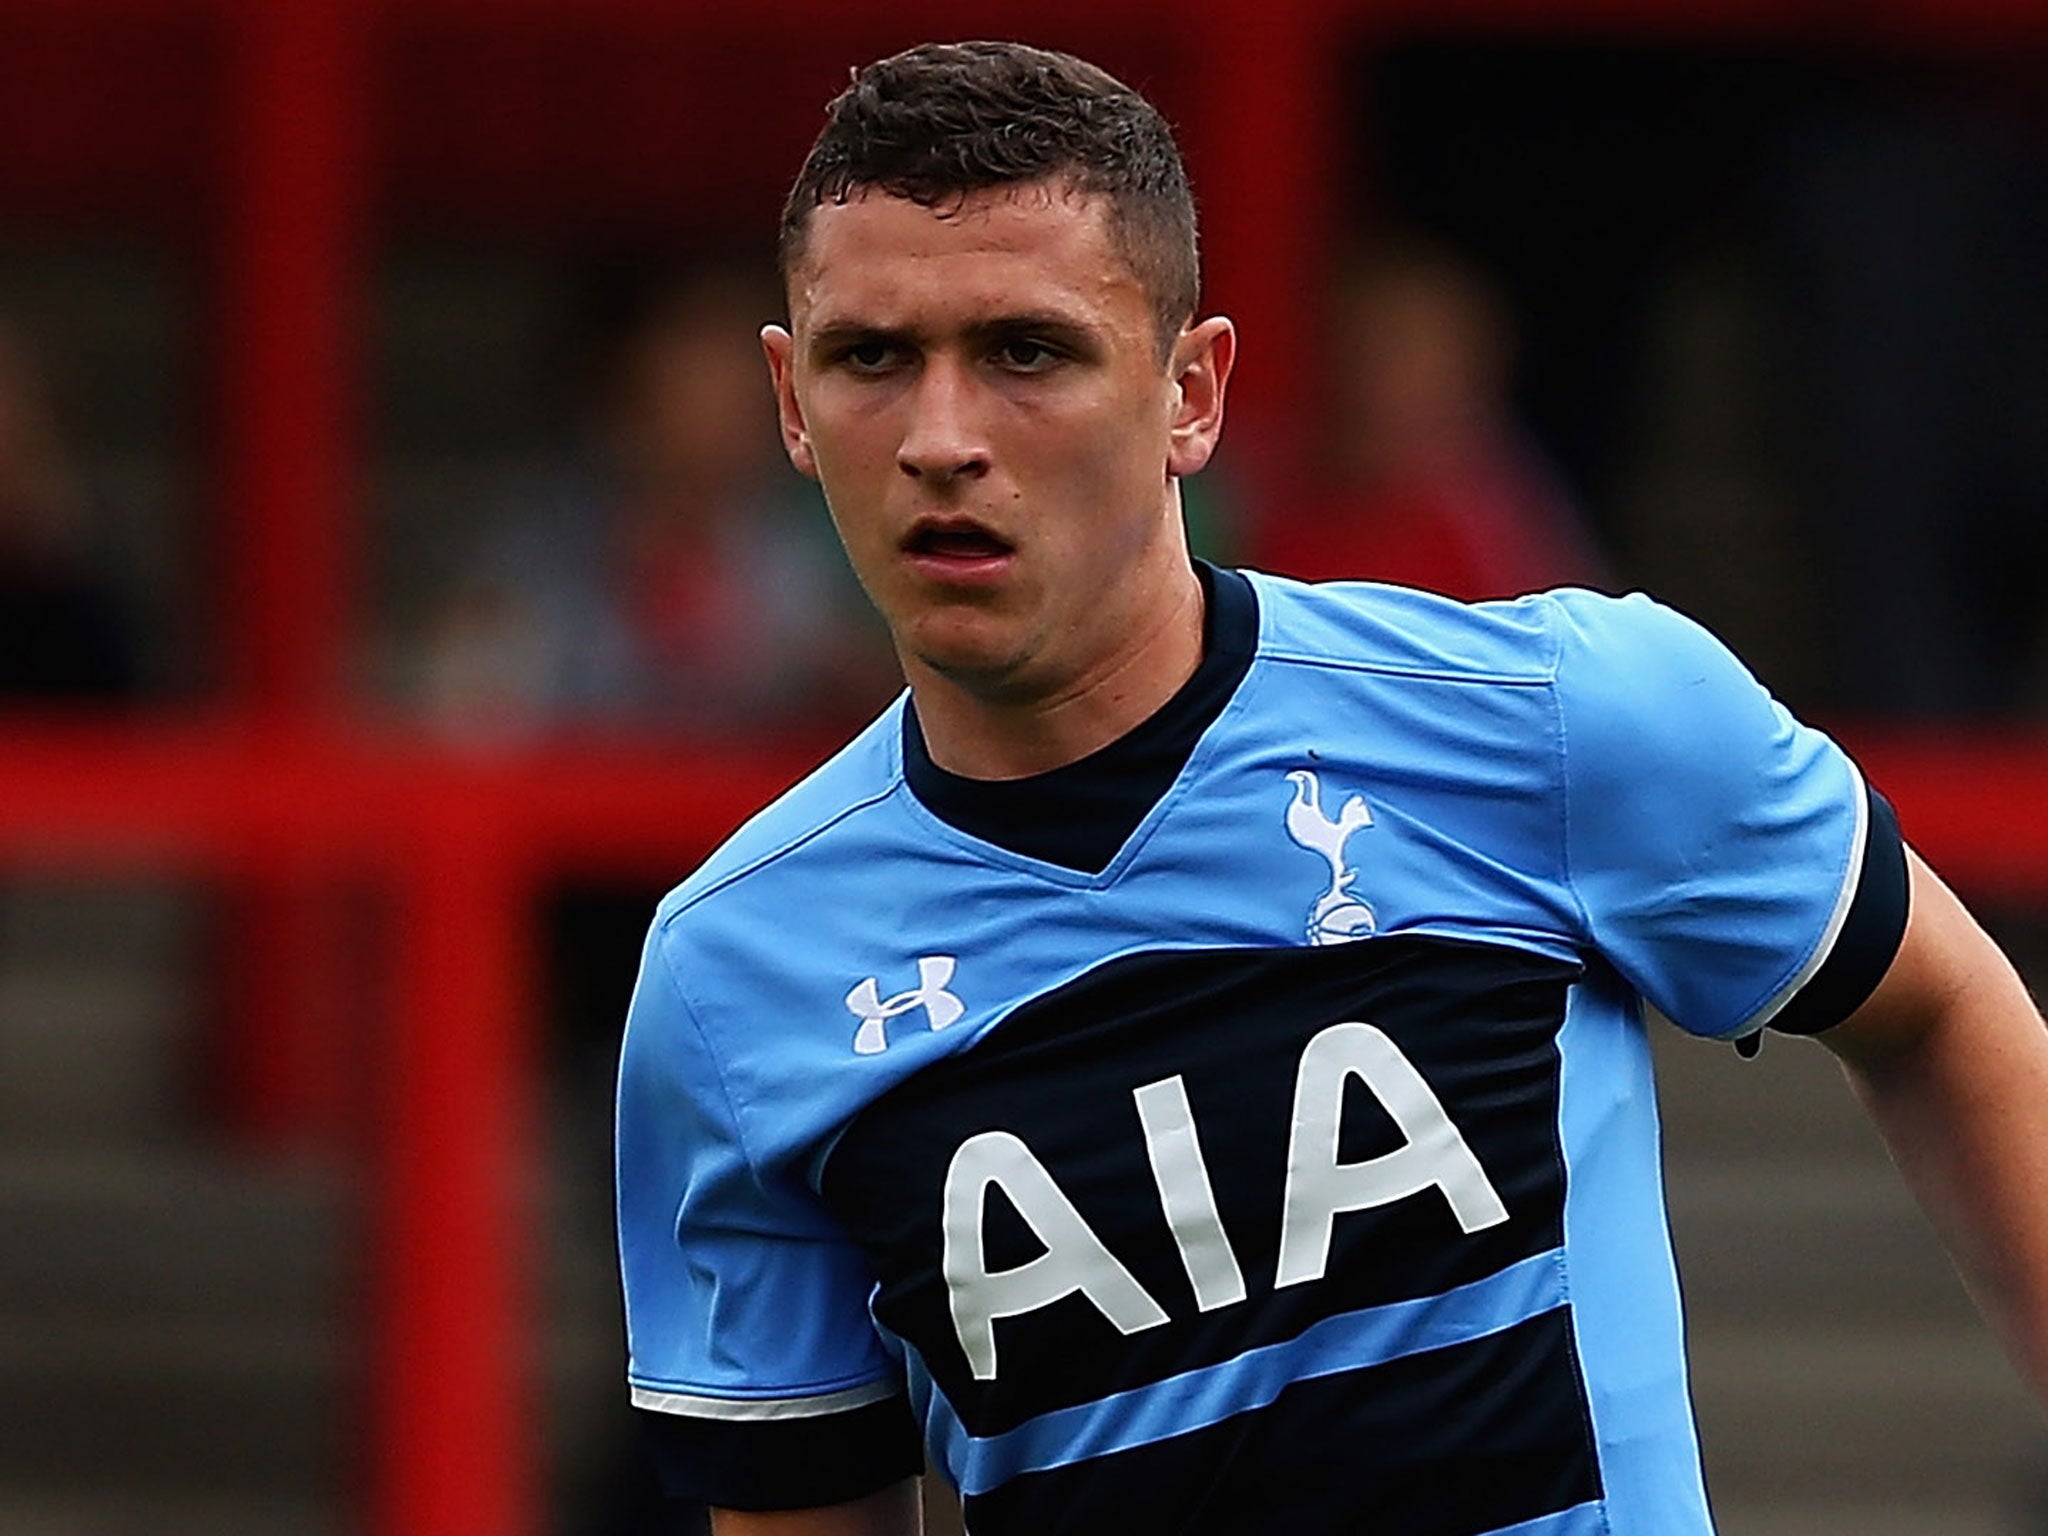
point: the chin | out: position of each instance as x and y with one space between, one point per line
974 656
982 669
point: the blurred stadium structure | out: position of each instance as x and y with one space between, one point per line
284 1252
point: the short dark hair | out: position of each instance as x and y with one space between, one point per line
943 120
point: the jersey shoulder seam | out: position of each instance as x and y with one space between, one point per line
1553 672
711 1054
1280 643
1283 656
685 898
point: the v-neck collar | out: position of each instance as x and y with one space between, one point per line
1078 815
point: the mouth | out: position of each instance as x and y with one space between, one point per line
954 542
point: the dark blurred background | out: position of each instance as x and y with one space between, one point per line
400 584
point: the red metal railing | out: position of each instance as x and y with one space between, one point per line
460 845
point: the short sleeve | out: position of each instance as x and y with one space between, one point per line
1728 860
749 1338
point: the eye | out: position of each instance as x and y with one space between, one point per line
868 356
1024 354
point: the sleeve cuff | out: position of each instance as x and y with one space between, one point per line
783 1463
1869 936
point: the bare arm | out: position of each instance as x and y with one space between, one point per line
1950 1057
892 1512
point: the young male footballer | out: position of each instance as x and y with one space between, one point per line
1183 1068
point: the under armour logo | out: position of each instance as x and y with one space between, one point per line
866 1003
1337 916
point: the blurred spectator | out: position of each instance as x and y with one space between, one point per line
674 573
64 633
1426 479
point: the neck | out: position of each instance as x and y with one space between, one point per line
984 735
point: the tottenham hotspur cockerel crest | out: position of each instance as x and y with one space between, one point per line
1337 917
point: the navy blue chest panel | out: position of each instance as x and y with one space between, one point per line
1227 1148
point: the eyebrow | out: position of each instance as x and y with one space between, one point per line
1048 323
1057 327
843 332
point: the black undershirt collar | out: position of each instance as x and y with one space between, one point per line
1080 814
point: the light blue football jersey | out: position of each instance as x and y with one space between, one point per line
1297 1170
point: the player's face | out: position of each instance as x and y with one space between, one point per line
981 393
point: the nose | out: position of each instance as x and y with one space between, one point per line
943 439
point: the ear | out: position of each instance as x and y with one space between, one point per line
1201 370
796 438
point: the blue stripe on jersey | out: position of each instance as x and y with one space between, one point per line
1253 1380
1625 1305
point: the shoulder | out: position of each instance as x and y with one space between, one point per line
1628 660
1635 643
1372 626
1641 686
1654 712
804 823
1368 623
